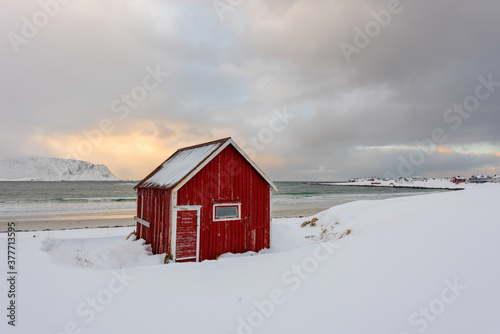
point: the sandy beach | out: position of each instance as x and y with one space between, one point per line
67 224
296 213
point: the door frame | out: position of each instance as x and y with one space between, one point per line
196 208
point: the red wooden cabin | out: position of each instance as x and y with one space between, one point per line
203 201
458 179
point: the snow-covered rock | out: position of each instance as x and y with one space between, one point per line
53 169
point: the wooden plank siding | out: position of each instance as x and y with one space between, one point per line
153 205
228 178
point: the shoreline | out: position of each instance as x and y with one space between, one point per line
95 218
390 186
67 224
90 219
25 224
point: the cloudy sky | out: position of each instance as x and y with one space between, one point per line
311 89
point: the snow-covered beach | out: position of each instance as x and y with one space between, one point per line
403 265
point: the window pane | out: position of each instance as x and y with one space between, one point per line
226 212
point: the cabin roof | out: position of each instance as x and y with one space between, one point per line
181 166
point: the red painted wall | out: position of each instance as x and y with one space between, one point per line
229 178
153 206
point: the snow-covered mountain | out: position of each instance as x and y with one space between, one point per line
53 169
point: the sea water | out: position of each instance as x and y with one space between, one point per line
32 200
317 195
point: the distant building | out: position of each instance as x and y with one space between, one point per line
405 180
458 179
480 179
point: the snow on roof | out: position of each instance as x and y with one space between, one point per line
184 161
179 165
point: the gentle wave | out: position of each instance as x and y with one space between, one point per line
98 199
73 200
66 207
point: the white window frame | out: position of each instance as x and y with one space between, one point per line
216 205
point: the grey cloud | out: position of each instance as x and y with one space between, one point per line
227 77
